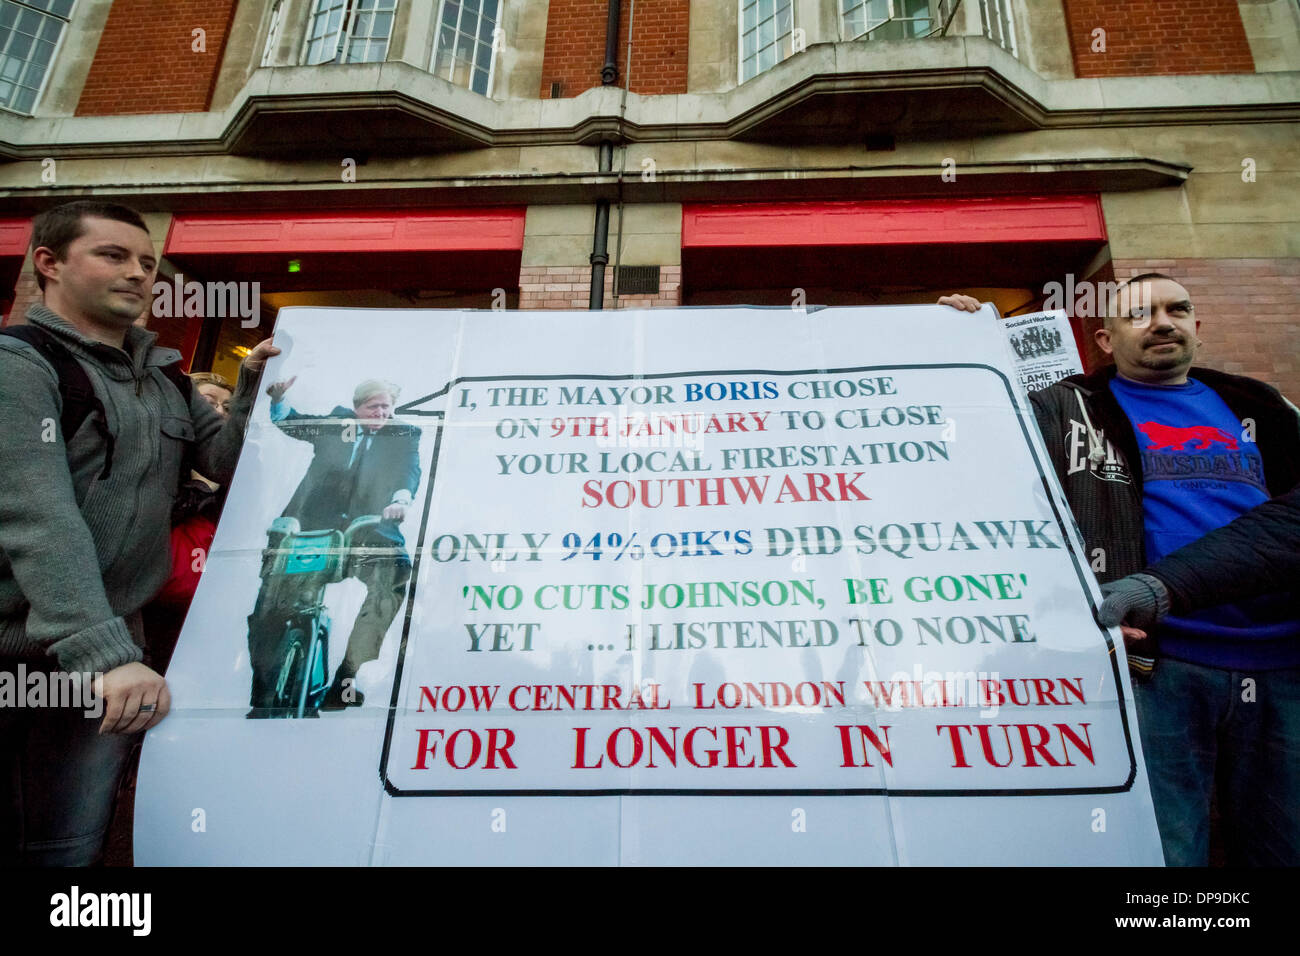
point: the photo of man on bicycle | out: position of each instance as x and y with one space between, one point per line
343 521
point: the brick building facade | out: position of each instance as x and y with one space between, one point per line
147 63
1156 38
575 47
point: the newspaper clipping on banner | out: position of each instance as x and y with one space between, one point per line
1044 348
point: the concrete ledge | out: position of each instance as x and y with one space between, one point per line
830 93
717 184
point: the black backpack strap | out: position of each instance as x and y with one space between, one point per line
79 398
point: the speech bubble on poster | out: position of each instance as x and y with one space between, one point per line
669 577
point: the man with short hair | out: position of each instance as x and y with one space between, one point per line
84 518
1152 454
364 463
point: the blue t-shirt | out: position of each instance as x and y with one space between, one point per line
1200 470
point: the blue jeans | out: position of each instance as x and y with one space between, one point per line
1202 727
58 781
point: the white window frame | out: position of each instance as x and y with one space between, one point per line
54 55
350 8
740 37
994 9
273 33
492 47
934 7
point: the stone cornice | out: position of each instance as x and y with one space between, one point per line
1036 176
831 93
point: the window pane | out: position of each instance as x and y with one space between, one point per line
27 43
446 42
41 54
463 53
323 31
369 22
464 47
766 33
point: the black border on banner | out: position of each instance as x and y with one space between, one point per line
411 408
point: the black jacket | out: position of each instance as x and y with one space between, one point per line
1256 554
330 495
1079 416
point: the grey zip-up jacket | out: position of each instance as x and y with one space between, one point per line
79 553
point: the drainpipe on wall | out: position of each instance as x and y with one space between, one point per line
600 241
609 72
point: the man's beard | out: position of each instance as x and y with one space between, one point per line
1165 360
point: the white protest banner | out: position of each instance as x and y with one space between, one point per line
687 586
1044 347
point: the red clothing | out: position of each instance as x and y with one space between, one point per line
191 541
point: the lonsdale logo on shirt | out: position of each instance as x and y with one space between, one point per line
1109 468
1197 452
